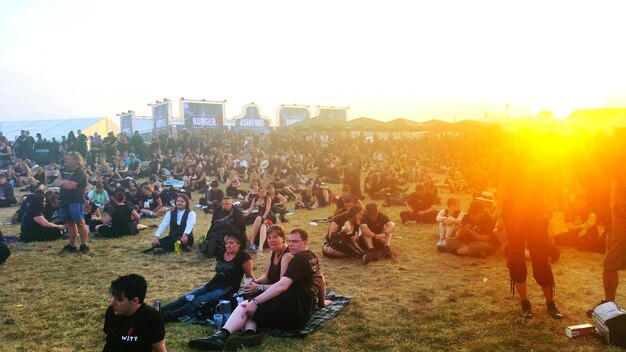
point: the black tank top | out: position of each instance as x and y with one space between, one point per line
273 273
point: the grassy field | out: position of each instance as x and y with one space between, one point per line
420 300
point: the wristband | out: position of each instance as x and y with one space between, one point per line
261 288
255 301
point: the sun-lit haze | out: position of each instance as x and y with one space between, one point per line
420 60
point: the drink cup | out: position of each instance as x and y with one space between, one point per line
189 298
247 281
218 320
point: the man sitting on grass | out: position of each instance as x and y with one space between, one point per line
129 324
422 206
475 238
376 230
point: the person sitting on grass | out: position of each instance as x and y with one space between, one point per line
7 196
152 205
121 219
259 216
285 305
422 206
376 229
99 195
449 222
231 265
342 237
277 264
93 216
475 238
130 324
181 222
5 252
226 219
34 226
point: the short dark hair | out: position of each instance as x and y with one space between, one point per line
130 286
120 196
302 232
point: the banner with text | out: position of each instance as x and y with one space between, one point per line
290 114
333 113
252 119
127 123
161 115
202 114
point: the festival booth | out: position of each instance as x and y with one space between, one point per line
319 124
365 124
127 123
251 119
199 115
405 125
291 114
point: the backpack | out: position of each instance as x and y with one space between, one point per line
610 322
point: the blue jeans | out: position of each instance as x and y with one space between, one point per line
205 294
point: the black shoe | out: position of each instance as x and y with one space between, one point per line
247 340
590 311
84 249
69 248
387 252
553 311
527 309
215 342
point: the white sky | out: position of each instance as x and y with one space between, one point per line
386 59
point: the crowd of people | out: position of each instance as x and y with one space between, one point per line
104 187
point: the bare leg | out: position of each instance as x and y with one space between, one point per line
262 237
521 290
83 232
256 226
236 322
72 232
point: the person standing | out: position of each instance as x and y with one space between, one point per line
72 182
615 257
524 198
129 324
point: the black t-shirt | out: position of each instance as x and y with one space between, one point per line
341 219
421 202
30 225
301 270
483 226
150 202
136 200
78 175
229 274
120 219
135 333
376 225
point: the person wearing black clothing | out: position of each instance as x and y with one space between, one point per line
285 305
134 197
230 267
277 264
5 252
73 182
34 226
376 229
212 198
121 218
7 196
129 324
475 238
181 222
227 219
93 217
422 206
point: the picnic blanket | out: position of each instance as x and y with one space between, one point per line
175 183
319 317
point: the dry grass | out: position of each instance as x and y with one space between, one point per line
420 300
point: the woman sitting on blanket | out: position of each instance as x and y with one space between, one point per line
230 267
286 305
277 263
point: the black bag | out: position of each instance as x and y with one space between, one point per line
610 322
